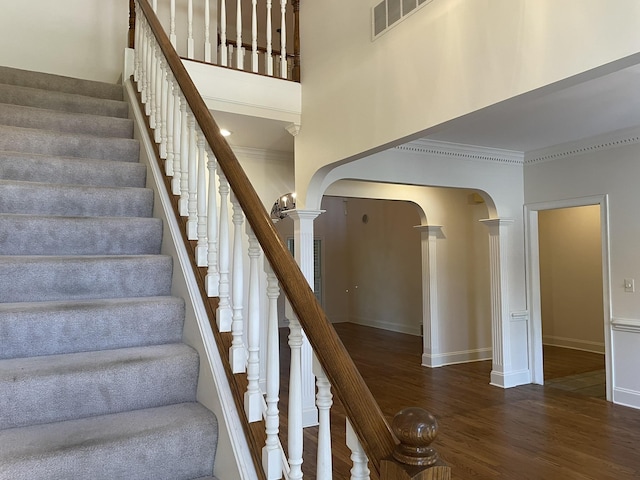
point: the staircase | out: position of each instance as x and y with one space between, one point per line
95 381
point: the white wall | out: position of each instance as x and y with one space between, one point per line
450 58
614 172
78 38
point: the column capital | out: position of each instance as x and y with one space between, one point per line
431 230
301 214
293 129
497 222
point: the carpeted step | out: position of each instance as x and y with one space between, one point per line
52 328
176 442
32 167
55 388
51 235
31 117
48 81
45 278
66 102
46 142
74 200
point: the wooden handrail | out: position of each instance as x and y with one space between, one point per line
364 413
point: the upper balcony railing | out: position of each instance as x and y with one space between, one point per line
259 36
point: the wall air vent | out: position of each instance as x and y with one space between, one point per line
388 13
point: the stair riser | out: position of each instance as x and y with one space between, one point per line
71 171
124 446
38 199
64 387
52 328
47 81
33 279
64 102
44 142
30 117
36 235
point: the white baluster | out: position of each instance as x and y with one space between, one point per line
136 51
190 30
269 57
283 39
152 85
164 102
360 470
239 49
253 401
237 352
144 69
170 124
157 133
212 279
254 36
295 400
201 248
177 132
324 400
184 158
154 5
223 33
207 35
172 24
192 173
223 313
271 453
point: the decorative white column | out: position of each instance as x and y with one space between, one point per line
499 300
303 242
430 318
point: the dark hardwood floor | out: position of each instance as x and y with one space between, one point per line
528 432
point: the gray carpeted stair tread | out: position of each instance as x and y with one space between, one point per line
48 81
49 235
45 278
56 388
31 140
52 328
74 200
32 117
66 102
33 167
175 442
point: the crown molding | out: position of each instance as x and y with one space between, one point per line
460 150
262 154
615 139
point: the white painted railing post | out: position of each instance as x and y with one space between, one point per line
223 312
254 36
207 34
190 49
177 132
283 39
253 401
184 158
324 401
172 24
238 352
269 55
164 102
170 123
360 469
223 33
202 246
152 85
157 128
295 430
271 453
213 275
192 173
239 57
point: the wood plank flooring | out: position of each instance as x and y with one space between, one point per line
529 432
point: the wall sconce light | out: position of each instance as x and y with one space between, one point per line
283 205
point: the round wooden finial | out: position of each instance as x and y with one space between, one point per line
415 428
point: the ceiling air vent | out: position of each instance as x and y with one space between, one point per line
389 13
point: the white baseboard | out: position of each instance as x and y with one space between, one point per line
510 379
628 398
573 343
392 327
451 358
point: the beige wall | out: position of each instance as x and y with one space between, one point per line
571 277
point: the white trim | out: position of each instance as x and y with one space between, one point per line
533 281
275 156
631 325
242 454
510 379
626 397
453 358
460 150
573 344
390 326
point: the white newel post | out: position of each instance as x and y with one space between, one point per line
324 468
430 318
253 402
223 313
238 352
213 274
271 453
303 241
499 300
360 469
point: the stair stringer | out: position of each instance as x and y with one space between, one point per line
233 457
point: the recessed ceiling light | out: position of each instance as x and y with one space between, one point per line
224 132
